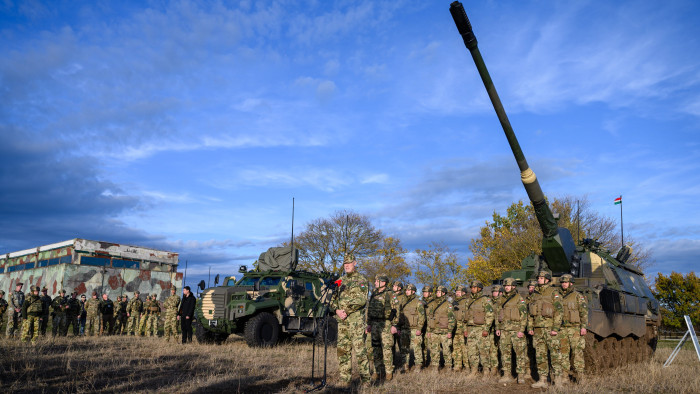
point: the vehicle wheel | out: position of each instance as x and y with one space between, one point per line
332 332
202 334
220 338
262 330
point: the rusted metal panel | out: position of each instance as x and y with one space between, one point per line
86 266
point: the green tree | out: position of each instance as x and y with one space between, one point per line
324 242
439 265
505 241
389 259
678 295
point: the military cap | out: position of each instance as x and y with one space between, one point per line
94 293
411 287
477 283
34 288
349 258
497 288
532 282
461 288
63 291
137 292
382 278
442 289
545 274
427 289
19 284
398 284
2 292
44 289
566 278
173 288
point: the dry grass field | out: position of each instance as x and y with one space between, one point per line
134 364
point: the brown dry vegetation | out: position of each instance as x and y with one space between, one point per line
119 364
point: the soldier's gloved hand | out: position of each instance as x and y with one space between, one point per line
553 333
583 332
418 333
394 330
520 334
484 333
498 333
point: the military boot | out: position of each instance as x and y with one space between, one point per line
540 384
473 372
389 376
506 379
560 380
521 379
375 377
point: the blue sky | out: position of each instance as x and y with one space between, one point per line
190 126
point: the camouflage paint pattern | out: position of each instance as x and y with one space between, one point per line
170 327
575 318
64 266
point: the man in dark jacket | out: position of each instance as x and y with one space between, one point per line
186 314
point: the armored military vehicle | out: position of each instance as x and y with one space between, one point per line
267 304
623 313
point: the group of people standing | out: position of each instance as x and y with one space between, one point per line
489 335
95 316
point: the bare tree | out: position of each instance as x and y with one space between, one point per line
388 259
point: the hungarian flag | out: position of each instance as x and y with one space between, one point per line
618 200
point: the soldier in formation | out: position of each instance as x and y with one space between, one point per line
153 313
403 338
413 313
3 308
349 302
478 321
133 312
82 318
72 315
544 324
382 324
33 314
441 325
573 328
92 319
46 300
493 339
511 325
59 311
14 321
120 318
171 306
459 344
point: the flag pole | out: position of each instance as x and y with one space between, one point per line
622 229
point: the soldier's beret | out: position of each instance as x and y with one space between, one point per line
477 283
510 282
349 258
566 278
411 287
497 288
545 274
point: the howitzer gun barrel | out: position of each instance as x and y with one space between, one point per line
548 224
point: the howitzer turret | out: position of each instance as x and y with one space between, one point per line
623 315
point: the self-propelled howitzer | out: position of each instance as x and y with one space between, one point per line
623 315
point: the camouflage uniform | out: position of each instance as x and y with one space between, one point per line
153 309
93 323
381 317
46 301
72 315
403 338
478 321
133 309
459 345
574 319
351 297
441 324
14 317
530 347
3 308
32 311
512 319
493 338
171 306
427 301
545 316
59 306
120 315
414 314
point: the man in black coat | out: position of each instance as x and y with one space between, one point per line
186 314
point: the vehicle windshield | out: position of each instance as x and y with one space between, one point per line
270 281
247 281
